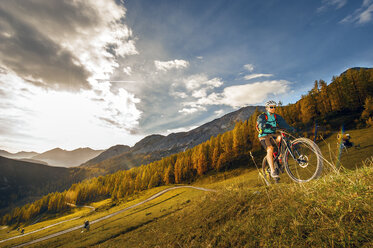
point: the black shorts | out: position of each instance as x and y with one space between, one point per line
269 140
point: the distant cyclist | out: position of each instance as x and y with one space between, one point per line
86 225
346 141
266 126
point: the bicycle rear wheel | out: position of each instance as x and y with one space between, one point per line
266 170
307 163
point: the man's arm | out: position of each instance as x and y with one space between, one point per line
283 124
261 121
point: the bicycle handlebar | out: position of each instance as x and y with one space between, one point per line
281 130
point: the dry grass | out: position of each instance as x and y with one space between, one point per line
335 211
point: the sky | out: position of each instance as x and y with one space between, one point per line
96 73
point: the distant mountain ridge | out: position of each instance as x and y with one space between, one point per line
18 155
63 158
177 142
155 146
111 152
55 157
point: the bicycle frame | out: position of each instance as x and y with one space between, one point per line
299 149
284 143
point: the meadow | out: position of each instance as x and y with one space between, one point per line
333 211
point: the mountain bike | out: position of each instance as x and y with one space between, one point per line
301 158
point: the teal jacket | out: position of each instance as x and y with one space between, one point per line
277 121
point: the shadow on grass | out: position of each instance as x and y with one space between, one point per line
132 228
154 204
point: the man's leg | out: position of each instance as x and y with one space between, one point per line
274 173
266 143
270 158
278 140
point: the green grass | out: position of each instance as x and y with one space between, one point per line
332 211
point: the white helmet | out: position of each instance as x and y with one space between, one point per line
270 103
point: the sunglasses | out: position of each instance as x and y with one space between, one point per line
272 107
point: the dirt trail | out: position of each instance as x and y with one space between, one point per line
55 224
99 219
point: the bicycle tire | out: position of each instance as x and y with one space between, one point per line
309 163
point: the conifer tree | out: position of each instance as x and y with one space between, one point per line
202 160
169 176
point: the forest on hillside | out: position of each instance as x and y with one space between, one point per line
347 100
346 96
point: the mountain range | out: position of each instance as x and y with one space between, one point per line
21 180
18 155
63 158
154 147
150 148
55 157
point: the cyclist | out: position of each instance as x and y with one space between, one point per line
266 125
346 141
86 226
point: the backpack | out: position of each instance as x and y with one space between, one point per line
266 116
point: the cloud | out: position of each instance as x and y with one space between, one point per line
190 110
196 86
172 64
68 119
249 67
362 15
56 60
127 70
219 112
331 3
241 95
252 76
198 81
248 94
61 44
178 94
180 129
35 57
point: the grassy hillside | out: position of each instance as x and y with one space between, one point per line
22 181
335 210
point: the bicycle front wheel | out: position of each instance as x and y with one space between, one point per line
304 162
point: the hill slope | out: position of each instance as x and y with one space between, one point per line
333 211
22 181
109 153
336 211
